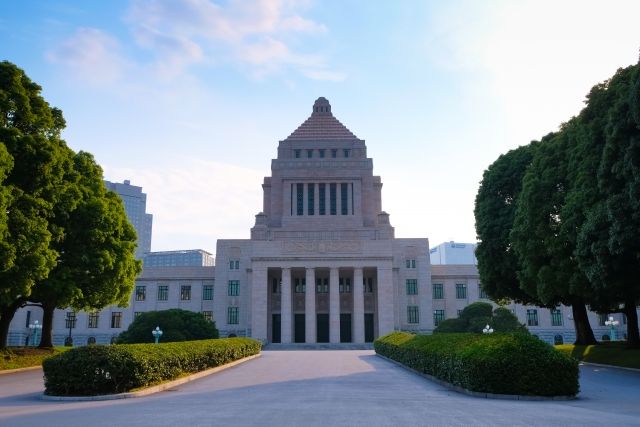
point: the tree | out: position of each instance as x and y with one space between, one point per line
494 211
543 238
96 266
608 249
29 134
176 325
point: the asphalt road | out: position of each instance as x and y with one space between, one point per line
323 388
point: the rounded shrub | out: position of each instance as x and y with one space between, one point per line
176 325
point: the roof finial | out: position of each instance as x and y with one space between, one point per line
321 106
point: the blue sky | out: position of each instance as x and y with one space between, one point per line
189 98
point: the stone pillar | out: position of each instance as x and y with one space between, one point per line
385 299
334 306
259 288
358 306
310 306
285 307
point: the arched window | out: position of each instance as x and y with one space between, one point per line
91 340
557 340
606 337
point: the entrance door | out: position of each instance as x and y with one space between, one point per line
299 328
322 327
345 327
368 327
275 328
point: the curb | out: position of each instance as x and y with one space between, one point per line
153 389
462 390
601 365
18 370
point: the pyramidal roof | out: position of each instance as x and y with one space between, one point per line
321 125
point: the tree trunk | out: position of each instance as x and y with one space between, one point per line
47 326
633 334
584 333
6 315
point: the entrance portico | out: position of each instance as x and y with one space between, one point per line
321 302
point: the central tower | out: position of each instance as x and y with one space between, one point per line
322 186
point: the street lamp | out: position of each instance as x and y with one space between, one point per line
157 333
35 328
487 330
612 324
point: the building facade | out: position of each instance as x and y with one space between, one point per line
190 257
135 205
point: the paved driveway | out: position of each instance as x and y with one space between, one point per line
323 388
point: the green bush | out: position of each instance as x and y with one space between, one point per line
476 316
176 325
495 363
94 370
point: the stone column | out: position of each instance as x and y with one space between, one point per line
310 306
358 306
285 307
334 306
259 288
385 299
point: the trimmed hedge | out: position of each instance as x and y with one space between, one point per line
94 370
497 363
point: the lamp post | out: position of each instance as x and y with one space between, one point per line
157 333
612 324
487 330
35 328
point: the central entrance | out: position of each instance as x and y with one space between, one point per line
322 325
345 327
299 328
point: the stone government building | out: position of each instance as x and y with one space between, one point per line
322 264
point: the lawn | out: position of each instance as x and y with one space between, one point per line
24 357
610 353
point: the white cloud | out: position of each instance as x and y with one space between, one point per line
91 55
195 202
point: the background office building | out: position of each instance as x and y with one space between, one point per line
190 257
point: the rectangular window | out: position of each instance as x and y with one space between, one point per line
412 286
300 284
411 263
461 291
602 318
347 152
332 199
208 316
116 319
275 286
299 199
207 292
438 291
234 288
296 153
70 320
344 194
458 312
26 324
93 320
532 317
311 199
321 152
413 315
482 292
136 314
624 319
322 285
321 198
438 316
163 293
309 154
344 285
367 282
232 315
141 293
556 317
334 153
185 292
